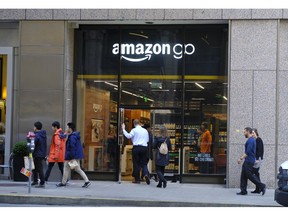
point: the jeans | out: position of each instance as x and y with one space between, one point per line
38 171
256 171
248 173
50 166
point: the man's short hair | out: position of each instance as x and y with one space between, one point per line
71 125
205 124
136 122
248 129
38 125
56 124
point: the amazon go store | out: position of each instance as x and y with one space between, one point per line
174 76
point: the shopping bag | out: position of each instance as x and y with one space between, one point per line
26 162
73 164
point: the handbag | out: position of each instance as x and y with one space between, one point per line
163 149
73 164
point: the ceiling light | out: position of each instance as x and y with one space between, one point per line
161 90
108 83
200 86
139 35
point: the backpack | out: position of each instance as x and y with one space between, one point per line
163 149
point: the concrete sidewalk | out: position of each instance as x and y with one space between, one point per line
109 193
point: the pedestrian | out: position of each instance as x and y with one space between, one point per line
247 167
74 151
140 139
39 154
161 160
57 149
206 138
259 156
205 142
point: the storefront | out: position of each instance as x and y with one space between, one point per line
172 67
171 75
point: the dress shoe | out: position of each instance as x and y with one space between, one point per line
263 190
164 184
241 193
136 182
147 180
256 191
159 185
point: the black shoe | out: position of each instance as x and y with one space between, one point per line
256 191
241 193
60 184
147 180
136 182
263 190
164 184
40 186
34 183
86 185
159 185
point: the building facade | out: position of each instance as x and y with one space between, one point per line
75 65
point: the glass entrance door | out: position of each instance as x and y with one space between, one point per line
152 120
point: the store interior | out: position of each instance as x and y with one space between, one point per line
203 101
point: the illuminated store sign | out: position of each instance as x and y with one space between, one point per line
145 51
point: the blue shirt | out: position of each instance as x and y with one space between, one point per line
250 150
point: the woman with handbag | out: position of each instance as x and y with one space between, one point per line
259 156
73 155
162 160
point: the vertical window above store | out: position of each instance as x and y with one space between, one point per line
97 95
3 92
205 101
151 66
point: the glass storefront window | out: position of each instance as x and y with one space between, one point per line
206 101
3 89
150 74
170 75
97 98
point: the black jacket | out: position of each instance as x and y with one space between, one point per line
40 144
259 148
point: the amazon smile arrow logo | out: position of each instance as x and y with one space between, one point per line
147 50
147 57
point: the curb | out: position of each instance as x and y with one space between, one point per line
105 202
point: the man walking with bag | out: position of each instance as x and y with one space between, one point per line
39 154
73 155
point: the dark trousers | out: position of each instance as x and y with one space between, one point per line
38 171
256 172
160 173
139 159
50 166
248 173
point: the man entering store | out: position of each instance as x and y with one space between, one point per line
140 139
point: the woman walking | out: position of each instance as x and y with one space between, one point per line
162 160
259 155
